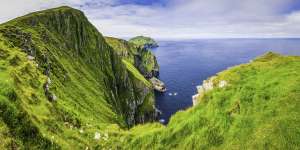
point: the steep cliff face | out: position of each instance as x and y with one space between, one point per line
59 75
250 106
142 58
63 87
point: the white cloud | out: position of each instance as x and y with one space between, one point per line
178 18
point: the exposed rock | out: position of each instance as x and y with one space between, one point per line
30 57
206 86
142 58
97 136
222 84
54 97
195 99
158 112
158 85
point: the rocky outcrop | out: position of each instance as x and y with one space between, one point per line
144 42
158 85
142 58
206 86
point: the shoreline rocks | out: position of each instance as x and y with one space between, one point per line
206 86
158 85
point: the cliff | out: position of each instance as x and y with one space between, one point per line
143 59
144 42
249 106
58 77
63 87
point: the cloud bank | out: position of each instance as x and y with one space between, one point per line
178 19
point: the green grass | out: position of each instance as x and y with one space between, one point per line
93 87
136 73
143 41
143 59
258 109
99 89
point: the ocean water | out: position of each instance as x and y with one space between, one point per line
185 64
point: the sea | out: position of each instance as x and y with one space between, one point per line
184 64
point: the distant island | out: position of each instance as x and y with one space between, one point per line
143 41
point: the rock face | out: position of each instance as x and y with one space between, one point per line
250 106
87 76
158 85
206 86
142 58
144 42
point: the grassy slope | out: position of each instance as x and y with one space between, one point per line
123 48
143 59
143 41
94 90
136 73
258 109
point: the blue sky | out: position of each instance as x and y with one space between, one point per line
178 19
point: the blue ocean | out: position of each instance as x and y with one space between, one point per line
184 64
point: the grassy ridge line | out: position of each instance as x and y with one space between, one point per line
136 73
258 109
143 59
94 90
145 42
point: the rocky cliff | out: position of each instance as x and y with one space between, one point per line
63 87
249 106
58 76
142 58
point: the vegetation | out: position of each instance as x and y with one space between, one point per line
136 73
143 59
61 83
258 109
62 86
145 42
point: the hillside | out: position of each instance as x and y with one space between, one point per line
64 86
250 106
61 82
143 41
143 59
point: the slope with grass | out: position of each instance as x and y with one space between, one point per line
62 86
143 41
143 59
257 108
61 83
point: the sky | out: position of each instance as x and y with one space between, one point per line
177 19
